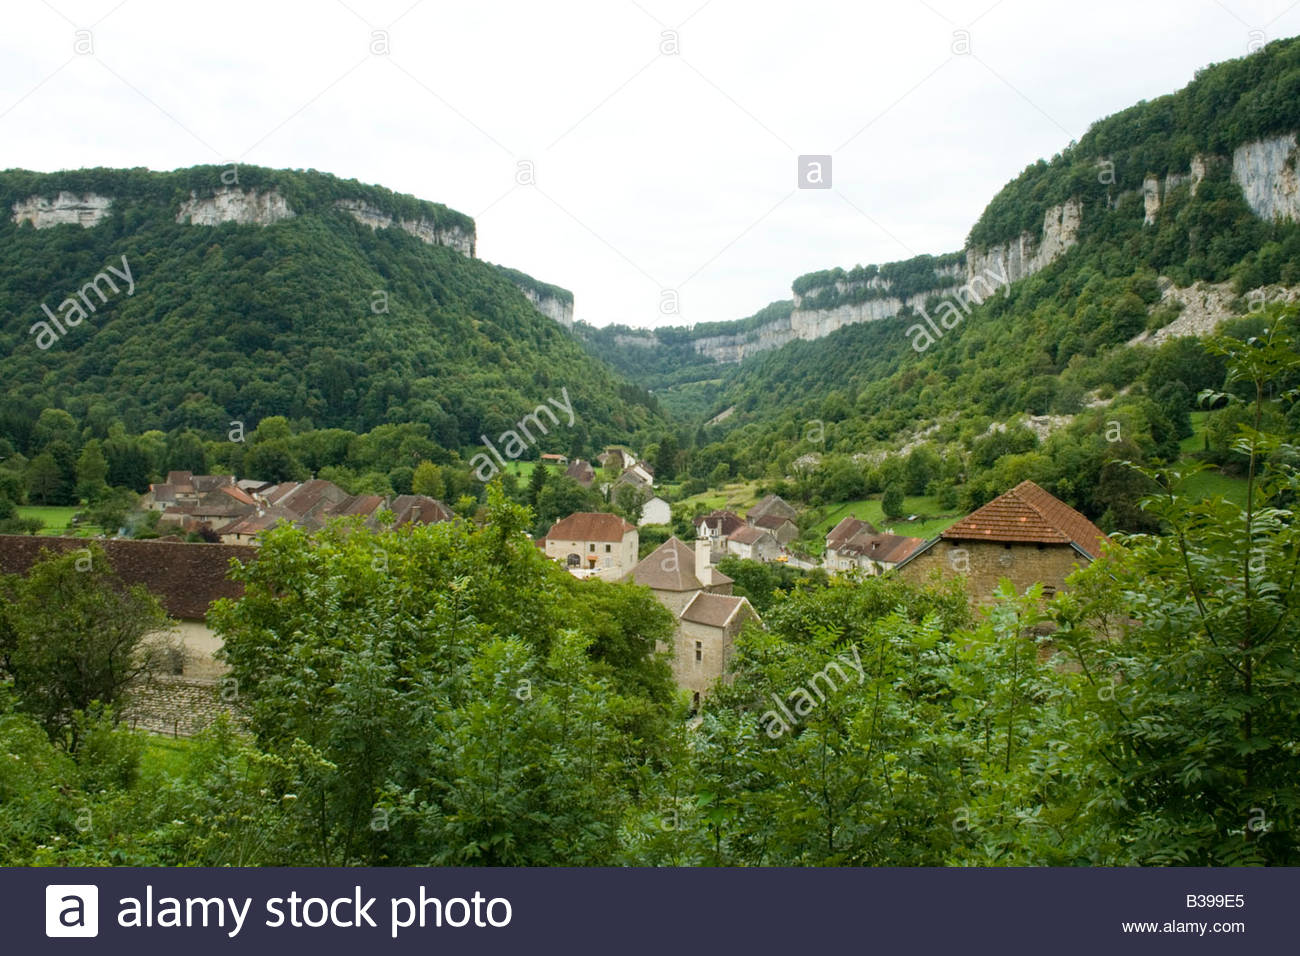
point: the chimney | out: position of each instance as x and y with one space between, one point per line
703 561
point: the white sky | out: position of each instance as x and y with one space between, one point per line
653 171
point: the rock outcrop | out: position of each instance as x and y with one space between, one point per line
246 207
551 307
64 209
1266 172
1029 253
423 229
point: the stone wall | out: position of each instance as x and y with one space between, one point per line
180 706
987 562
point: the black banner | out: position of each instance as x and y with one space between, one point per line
196 911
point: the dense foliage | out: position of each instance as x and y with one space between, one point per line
317 318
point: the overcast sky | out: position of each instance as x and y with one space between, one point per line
661 136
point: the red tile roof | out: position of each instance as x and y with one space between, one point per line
1028 514
590 526
186 578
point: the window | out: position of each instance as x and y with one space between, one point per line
1049 591
574 560
607 549
699 651
591 547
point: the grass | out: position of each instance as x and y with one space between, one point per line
165 756
736 496
1207 484
930 521
57 519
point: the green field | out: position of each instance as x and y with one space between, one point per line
930 521
165 756
737 496
57 519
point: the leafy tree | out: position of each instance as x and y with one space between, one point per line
92 470
892 502
427 480
72 635
1191 713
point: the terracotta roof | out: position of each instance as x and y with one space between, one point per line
363 505
846 529
771 521
590 526
234 491
886 548
419 509
181 480
671 567
257 523
311 496
204 483
186 578
1028 514
163 492
714 610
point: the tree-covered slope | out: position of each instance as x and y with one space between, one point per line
1062 331
317 317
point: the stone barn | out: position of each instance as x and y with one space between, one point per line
1025 535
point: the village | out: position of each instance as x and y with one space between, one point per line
1025 535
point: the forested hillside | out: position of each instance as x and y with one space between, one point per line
317 316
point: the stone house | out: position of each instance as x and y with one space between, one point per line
854 544
753 544
771 505
680 576
581 472
706 634
717 526
594 543
781 528
655 511
676 572
1026 535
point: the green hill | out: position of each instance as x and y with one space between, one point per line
306 312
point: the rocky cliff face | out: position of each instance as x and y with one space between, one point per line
247 207
65 209
1029 253
551 307
1266 172
422 229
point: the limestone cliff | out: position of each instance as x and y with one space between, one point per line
1266 172
1028 254
423 229
246 207
553 307
64 209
